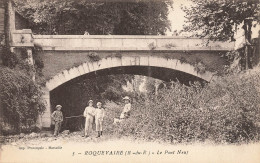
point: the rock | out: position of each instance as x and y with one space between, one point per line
45 135
21 135
66 132
33 134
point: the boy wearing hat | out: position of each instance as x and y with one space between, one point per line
100 113
89 113
57 116
126 111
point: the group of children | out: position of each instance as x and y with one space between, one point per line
99 114
89 113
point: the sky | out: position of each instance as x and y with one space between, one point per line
176 15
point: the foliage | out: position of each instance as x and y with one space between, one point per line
219 19
224 111
237 59
38 62
21 100
234 58
13 60
200 67
9 58
102 17
20 97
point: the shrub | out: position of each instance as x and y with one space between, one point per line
21 101
20 96
224 111
9 58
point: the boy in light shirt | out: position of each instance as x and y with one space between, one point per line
89 113
100 113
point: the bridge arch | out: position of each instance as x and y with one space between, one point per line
129 62
124 61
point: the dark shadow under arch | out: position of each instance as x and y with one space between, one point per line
164 74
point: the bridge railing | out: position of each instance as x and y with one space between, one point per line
127 42
117 42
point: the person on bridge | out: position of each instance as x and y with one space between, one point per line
127 108
57 116
89 113
100 114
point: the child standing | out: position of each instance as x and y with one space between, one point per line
100 113
89 113
57 116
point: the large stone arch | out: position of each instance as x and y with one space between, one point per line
111 62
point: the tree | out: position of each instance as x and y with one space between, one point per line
78 16
143 18
219 19
21 101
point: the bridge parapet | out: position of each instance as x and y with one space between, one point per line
128 43
22 38
25 38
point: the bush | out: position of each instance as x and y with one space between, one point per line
224 111
21 101
8 58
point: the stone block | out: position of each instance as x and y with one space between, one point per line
81 70
126 61
95 66
74 72
85 67
67 75
90 66
144 60
103 63
116 62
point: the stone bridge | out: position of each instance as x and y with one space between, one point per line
70 57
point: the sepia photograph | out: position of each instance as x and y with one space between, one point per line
129 81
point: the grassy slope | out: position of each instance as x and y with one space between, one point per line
227 110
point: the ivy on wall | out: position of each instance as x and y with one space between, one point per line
20 97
